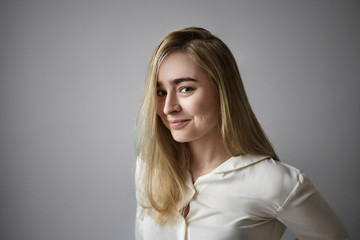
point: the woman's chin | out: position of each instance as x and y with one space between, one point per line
180 138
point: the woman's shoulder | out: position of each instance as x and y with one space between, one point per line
276 170
275 179
277 173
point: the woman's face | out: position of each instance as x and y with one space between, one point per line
187 102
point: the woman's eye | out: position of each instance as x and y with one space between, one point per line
186 89
160 93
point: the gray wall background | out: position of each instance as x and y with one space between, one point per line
72 75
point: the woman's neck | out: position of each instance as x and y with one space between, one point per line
206 155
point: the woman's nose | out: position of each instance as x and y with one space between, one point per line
171 104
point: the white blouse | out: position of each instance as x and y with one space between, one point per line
249 197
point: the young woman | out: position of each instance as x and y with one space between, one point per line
205 168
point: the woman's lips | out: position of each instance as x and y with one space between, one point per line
176 124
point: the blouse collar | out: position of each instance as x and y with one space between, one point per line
232 164
238 162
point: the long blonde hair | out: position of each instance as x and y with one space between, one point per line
164 162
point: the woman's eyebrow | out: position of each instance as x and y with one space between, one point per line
179 80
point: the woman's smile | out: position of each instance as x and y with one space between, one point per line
177 124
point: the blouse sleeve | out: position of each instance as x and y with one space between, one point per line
306 213
139 224
139 210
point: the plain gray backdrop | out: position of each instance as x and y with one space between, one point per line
72 75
